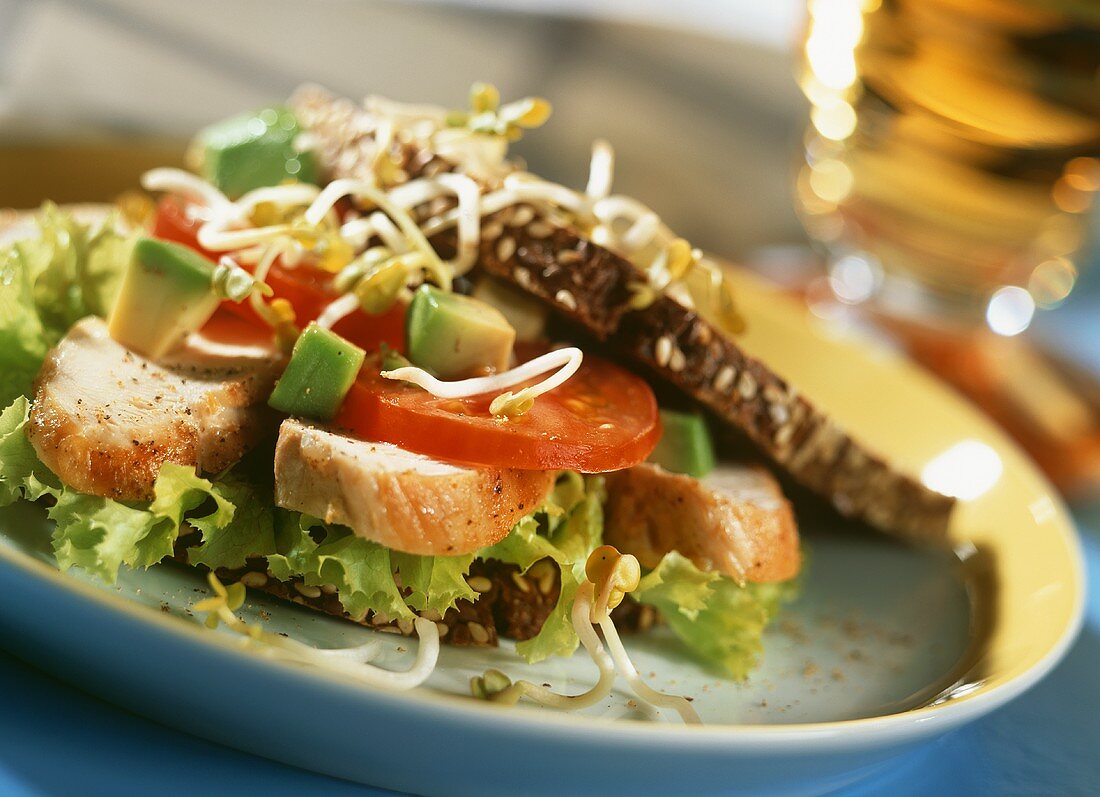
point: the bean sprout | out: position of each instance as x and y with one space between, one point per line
467 215
641 233
492 202
338 189
644 691
343 662
566 360
609 576
338 309
232 282
177 181
497 687
469 219
348 662
387 231
358 232
601 170
215 237
260 274
290 195
529 187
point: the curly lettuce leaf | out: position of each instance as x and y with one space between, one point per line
241 526
361 571
67 271
236 520
523 546
99 534
77 268
573 522
719 620
566 529
436 583
22 475
24 340
293 544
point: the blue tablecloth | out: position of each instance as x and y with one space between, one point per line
55 740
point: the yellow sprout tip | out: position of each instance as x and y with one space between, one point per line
512 405
484 97
613 574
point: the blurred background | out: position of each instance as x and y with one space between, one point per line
921 171
703 114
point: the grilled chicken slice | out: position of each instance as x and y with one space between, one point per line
405 501
735 522
105 419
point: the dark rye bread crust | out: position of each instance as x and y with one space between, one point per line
513 606
587 284
591 287
510 604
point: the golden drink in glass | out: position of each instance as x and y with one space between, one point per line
953 153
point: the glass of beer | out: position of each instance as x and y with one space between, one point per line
953 153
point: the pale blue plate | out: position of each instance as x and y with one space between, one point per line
886 647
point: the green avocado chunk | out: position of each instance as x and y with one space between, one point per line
321 371
685 445
166 294
254 150
526 314
455 336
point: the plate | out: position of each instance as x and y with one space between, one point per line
886 647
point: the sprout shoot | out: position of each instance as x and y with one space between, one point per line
509 404
609 576
234 283
497 687
352 663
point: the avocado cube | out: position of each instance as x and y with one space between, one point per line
321 371
685 445
166 294
526 314
455 336
254 150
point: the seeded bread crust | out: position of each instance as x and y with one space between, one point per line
513 606
590 286
510 605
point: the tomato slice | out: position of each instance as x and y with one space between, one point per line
308 289
171 223
602 419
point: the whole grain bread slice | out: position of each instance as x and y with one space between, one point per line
590 286
510 604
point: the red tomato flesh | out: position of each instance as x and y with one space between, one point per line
308 289
602 419
171 223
